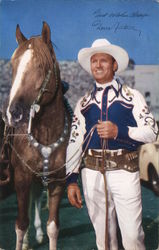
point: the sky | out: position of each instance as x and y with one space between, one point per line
75 24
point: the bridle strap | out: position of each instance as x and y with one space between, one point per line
43 88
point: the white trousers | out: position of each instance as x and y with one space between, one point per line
124 200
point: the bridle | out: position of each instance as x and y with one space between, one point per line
46 151
35 107
43 88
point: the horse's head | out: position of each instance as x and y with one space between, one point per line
33 72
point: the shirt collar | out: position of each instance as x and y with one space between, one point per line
114 84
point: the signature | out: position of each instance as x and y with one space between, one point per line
115 27
136 14
101 23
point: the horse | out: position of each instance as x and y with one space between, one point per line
38 112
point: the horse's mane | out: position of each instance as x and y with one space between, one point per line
44 53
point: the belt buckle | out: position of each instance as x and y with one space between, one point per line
110 164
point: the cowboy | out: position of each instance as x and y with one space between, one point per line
109 125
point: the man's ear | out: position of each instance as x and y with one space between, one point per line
115 66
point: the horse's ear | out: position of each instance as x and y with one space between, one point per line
20 38
46 33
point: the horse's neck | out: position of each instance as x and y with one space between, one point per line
49 123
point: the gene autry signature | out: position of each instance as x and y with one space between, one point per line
115 27
136 14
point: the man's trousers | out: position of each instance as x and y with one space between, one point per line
124 200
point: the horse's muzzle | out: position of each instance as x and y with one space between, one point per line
14 115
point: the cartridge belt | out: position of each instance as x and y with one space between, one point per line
124 159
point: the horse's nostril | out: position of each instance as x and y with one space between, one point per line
16 113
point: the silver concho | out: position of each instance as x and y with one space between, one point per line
46 151
36 144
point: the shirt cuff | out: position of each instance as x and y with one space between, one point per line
72 178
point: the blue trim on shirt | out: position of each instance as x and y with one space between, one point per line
120 113
72 178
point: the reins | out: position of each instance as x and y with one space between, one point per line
40 174
106 193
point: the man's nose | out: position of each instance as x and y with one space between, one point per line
98 64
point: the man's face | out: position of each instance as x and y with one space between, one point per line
103 67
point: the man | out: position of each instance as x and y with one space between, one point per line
109 125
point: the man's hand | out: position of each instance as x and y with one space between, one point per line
107 130
74 195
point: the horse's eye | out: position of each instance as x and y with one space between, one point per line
38 65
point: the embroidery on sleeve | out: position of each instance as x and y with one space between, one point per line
75 125
148 119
